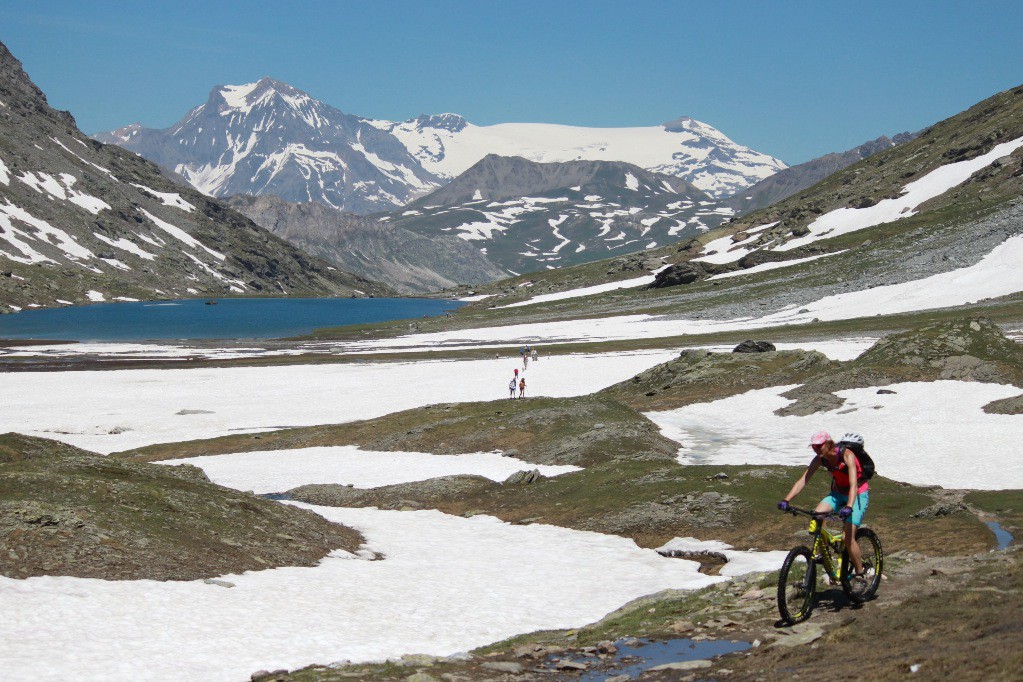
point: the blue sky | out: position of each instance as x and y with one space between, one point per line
792 79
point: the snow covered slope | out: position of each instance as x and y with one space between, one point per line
528 216
270 138
447 145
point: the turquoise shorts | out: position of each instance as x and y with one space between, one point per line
837 500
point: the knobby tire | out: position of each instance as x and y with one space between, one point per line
797 585
860 590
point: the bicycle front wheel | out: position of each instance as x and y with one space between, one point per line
797 586
861 588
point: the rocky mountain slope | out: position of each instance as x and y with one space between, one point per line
448 145
528 216
270 138
788 181
409 262
81 221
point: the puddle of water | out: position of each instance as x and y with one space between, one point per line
276 496
634 656
1003 536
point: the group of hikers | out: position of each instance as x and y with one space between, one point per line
518 381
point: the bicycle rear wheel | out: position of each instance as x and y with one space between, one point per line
860 589
797 585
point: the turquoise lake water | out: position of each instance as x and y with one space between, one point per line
230 318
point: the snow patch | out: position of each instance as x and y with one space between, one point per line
181 235
280 470
937 182
167 198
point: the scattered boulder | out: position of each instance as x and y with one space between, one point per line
806 405
524 477
682 273
750 346
941 509
1012 405
510 667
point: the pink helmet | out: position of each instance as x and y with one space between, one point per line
819 438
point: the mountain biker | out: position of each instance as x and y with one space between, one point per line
846 485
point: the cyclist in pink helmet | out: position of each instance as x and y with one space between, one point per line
849 491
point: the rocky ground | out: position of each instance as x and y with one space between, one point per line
65 511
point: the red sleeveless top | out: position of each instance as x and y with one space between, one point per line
840 474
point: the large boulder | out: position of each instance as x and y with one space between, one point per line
682 273
750 346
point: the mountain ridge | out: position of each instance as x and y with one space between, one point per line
81 222
407 261
270 137
528 216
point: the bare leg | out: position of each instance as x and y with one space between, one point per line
854 549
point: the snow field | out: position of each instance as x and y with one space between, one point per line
651 147
279 470
107 411
448 584
932 433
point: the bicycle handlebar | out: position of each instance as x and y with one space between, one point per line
796 511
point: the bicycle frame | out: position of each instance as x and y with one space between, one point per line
825 541
797 580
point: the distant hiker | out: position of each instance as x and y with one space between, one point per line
511 389
525 361
534 355
522 387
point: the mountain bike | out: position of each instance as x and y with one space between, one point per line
797 584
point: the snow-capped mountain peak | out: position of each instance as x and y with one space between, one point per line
268 137
453 123
447 145
265 93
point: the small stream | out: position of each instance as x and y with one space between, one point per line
1002 536
276 496
635 656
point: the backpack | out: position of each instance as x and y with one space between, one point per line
866 463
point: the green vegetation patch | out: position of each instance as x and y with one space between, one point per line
579 431
65 511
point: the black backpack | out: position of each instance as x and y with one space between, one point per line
866 463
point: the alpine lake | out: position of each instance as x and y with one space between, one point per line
225 318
